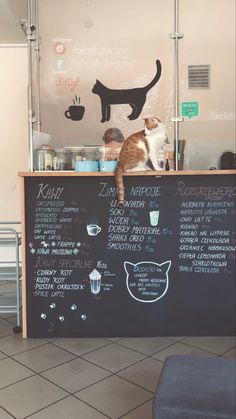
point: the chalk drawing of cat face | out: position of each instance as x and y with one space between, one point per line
147 282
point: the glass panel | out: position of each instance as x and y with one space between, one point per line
209 121
116 43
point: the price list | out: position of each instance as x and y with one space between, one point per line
162 265
207 241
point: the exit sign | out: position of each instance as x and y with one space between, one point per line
190 109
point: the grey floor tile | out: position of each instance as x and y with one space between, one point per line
70 408
4 414
230 354
145 373
8 316
114 339
147 346
3 316
114 396
80 346
11 372
13 320
29 396
44 357
5 328
181 349
75 375
2 355
218 344
114 357
142 412
14 344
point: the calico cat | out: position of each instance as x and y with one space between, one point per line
137 149
134 97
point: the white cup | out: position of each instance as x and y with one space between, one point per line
95 285
93 229
154 217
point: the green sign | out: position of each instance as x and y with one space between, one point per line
190 109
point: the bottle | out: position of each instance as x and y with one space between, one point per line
167 165
161 159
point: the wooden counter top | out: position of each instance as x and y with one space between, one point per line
72 173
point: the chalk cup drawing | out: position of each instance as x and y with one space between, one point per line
95 281
93 229
75 112
147 282
154 217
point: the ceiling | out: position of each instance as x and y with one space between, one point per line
11 11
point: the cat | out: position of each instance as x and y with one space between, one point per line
137 149
134 97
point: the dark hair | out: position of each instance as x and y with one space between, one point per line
228 160
113 134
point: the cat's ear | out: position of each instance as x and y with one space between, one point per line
129 267
166 266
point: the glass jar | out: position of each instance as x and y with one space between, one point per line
44 158
62 159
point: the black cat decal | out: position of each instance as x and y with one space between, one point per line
136 97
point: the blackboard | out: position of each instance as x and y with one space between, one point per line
164 265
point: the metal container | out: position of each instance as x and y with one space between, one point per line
44 158
83 153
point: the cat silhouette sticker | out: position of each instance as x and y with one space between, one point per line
147 281
135 97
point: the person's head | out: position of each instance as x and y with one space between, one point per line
228 160
113 135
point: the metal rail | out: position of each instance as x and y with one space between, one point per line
15 274
176 119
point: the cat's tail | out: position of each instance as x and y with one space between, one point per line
156 78
120 186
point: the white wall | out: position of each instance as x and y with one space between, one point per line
209 38
13 128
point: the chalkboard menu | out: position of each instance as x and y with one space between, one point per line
164 265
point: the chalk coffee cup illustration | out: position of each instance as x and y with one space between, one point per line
75 112
154 217
95 281
93 229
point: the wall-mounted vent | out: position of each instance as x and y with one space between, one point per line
199 76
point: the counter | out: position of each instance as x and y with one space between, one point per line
164 265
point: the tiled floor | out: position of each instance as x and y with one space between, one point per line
88 378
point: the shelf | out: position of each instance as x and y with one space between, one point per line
10 272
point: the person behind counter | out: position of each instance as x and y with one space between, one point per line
113 139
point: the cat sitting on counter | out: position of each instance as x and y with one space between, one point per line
137 149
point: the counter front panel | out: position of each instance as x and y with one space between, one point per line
164 265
